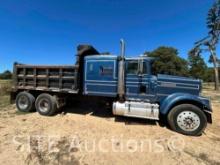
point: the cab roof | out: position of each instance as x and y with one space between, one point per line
100 56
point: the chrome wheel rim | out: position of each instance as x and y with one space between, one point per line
23 102
43 105
188 121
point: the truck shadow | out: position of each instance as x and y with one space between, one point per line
106 112
88 109
135 121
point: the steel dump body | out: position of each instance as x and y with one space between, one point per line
46 78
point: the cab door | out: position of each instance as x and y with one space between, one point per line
139 81
148 81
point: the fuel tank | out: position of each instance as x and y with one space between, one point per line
136 109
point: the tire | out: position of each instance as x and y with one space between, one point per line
46 104
187 119
25 102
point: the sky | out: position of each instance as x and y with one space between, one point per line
48 31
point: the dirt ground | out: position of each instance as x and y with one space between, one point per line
85 135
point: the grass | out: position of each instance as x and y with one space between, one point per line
208 85
5 86
208 91
4 101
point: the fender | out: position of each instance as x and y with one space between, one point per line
172 99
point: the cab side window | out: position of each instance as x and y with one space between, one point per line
132 67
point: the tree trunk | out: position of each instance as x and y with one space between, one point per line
216 78
214 57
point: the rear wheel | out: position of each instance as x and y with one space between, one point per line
187 119
25 102
46 104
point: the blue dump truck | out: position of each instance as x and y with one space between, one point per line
127 84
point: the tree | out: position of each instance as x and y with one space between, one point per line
209 75
168 62
6 75
197 67
210 42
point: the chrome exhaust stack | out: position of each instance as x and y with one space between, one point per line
121 72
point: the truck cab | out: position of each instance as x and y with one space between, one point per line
101 76
146 94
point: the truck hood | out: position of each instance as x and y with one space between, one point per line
168 84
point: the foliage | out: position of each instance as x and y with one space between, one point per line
210 42
168 62
209 75
197 67
213 22
6 75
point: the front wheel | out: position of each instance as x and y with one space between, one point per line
187 119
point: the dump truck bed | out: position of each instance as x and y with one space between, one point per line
46 78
